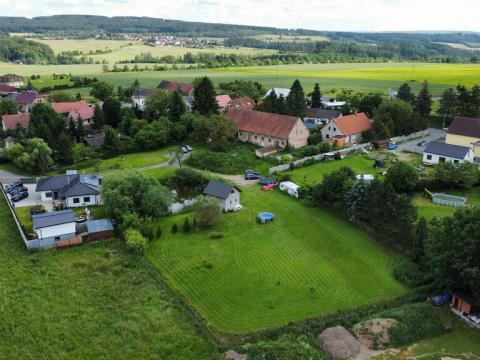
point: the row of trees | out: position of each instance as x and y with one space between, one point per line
295 104
460 101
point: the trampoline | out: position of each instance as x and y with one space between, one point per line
265 217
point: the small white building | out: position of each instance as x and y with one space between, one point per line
54 226
439 152
290 187
228 195
140 95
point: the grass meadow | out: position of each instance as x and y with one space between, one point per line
332 77
81 303
308 262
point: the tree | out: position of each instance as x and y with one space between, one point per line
353 199
296 104
405 93
316 101
370 103
64 146
177 107
270 102
35 156
111 143
80 152
331 191
111 109
475 98
188 183
156 105
220 129
78 97
206 211
136 242
239 88
204 97
281 105
449 175
60 96
448 103
416 250
46 124
101 90
424 101
80 131
402 177
397 116
186 225
153 135
132 191
98 117
8 107
463 101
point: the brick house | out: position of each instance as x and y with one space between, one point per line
266 129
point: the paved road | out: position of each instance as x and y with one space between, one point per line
7 177
412 145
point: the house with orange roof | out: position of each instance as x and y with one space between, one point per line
75 110
9 122
223 101
346 130
269 130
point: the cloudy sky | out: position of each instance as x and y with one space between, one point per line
343 15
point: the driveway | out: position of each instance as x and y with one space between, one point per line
33 199
7 177
413 145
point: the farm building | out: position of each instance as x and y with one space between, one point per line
12 80
73 190
346 130
139 96
244 103
228 195
438 152
10 122
321 116
464 302
465 131
99 229
266 129
223 101
26 100
53 228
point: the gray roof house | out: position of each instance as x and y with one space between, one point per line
439 152
53 218
52 229
227 195
73 189
321 116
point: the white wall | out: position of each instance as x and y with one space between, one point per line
232 200
330 130
435 159
56 230
69 201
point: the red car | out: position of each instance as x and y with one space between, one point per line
269 187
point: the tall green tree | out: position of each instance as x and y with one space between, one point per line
406 94
475 98
111 109
270 102
98 117
46 124
448 103
281 106
111 144
35 156
81 131
332 190
424 101
64 151
403 177
370 103
296 103
101 90
397 116
8 107
156 105
463 101
316 101
204 97
177 107
416 250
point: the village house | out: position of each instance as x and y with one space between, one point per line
53 227
75 110
269 130
185 88
72 190
140 95
331 103
320 116
228 195
26 100
243 102
6 90
439 152
346 130
465 131
13 80
10 122
223 101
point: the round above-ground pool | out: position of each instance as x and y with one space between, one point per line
265 216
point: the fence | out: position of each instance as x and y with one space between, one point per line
15 218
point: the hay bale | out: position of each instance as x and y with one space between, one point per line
337 342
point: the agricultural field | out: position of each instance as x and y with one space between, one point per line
332 77
315 173
84 46
308 262
91 305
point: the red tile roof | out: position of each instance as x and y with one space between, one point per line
223 100
174 86
352 124
7 89
465 126
10 121
279 126
66 107
84 113
243 102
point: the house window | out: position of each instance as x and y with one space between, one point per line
334 129
57 238
86 199
429 157
256 137
456 161
441 159
263 138
48 194
329 128
76 200
328 136
269 140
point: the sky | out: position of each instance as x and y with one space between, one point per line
335 15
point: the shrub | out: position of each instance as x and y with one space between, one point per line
216 235
408 273
285 177
291 166
186 225
206 211
158 232
136 242
174 228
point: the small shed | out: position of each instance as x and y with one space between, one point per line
99 229
464 302
381 144
228 195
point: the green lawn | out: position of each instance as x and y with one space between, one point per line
332 77
161 173
80 303
47 81
313 174
308 262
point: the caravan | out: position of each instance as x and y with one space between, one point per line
290 187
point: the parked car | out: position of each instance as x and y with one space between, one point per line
184 149
19 196
189 148
18 190
392 146
13 186
253 175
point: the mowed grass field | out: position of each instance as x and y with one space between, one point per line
306 263
332 77
81 303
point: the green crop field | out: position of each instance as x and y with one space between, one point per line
81 303
84 46
313 174
308 262
332 77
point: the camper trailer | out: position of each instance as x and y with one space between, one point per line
290 187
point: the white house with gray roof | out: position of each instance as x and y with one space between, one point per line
439 152
73 190
228 195
52 227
